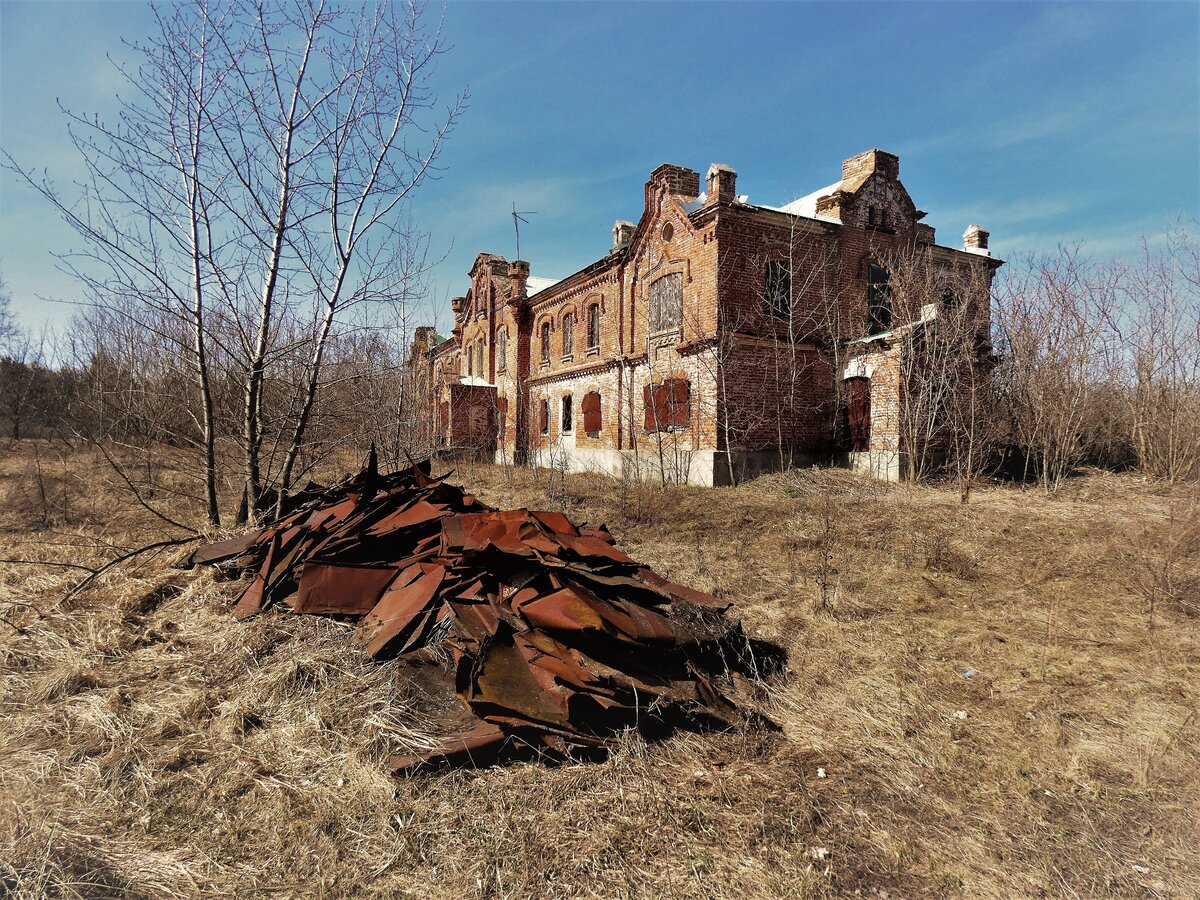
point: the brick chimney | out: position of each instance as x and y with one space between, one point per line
622 233
887 164
456 307
679 181
975 238
722 183
518 274
423 337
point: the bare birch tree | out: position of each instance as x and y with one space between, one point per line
257 176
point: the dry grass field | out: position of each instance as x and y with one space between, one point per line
997 699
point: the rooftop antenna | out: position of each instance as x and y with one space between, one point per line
518 218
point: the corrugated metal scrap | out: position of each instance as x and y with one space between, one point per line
557 640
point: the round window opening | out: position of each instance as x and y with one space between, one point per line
668 232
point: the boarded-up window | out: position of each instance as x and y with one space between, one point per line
544 417
593 326
591 413
879 299
666 302
568 335
668 404
501 349
858 408
778 289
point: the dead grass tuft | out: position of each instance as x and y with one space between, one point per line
975 705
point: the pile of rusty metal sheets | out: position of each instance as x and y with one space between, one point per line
557 640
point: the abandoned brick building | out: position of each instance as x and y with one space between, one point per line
718 339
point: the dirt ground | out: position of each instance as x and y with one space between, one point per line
998 699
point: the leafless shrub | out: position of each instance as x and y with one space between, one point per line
1162 567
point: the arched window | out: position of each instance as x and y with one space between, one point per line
544 417
502 350
879 299
778 294
482 370
470 360
545 343
666 302
593 326
591 413
667 404
568 335
568 417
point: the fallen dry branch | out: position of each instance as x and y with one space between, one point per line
552 637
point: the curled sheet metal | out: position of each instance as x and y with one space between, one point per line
551 636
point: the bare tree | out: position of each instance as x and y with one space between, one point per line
940 323
253 189
1054 316
1157 363
8 324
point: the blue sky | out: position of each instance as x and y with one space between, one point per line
1043 122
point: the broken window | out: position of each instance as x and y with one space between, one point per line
778 297
666 302
567 421
858 420
593 326
568 335
879 299
591 413
544 417
502 350
545 343
668 404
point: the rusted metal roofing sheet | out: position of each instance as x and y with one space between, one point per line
558 639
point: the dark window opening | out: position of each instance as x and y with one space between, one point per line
482 370
666 302
545 343
879 299
668 404
858 418
593 326
568 335
502 419
949 298
470 360
591 413
567 422
778 279
544 417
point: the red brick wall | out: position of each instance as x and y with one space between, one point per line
758 380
